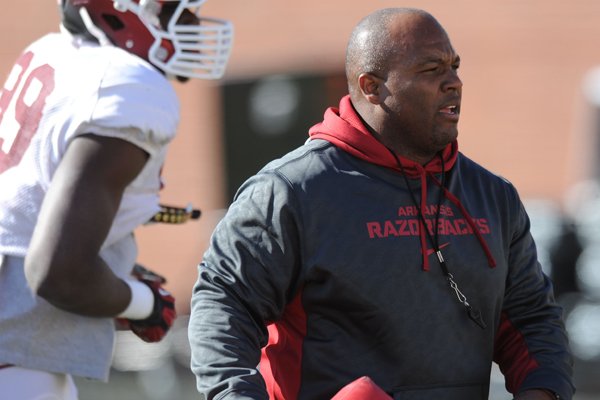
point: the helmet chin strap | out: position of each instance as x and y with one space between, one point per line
92 28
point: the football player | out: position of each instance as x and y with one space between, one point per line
86 115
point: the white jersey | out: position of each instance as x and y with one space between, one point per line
60 88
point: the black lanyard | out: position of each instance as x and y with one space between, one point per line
473 313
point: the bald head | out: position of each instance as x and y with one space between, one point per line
378 38
403 81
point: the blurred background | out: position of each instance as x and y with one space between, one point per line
529 113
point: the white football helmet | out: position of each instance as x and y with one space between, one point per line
170 34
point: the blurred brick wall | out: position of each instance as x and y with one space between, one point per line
522 113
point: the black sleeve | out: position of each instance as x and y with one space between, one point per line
245 280
531 344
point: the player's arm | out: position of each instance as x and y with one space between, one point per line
62 264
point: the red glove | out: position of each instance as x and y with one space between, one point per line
156 326
361 388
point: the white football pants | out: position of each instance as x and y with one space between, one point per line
27 384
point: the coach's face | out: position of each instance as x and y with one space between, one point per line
422 89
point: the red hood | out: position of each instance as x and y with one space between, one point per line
343 127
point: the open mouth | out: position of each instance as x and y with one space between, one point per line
450 110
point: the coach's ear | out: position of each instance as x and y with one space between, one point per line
371 87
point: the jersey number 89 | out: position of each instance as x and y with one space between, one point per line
22 103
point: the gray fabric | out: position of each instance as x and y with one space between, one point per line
36 335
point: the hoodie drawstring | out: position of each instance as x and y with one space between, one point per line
423 231
463 211
473 313
346 130
422 228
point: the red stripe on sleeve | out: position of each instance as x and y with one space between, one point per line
281 358
512 355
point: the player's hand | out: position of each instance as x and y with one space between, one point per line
156 326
